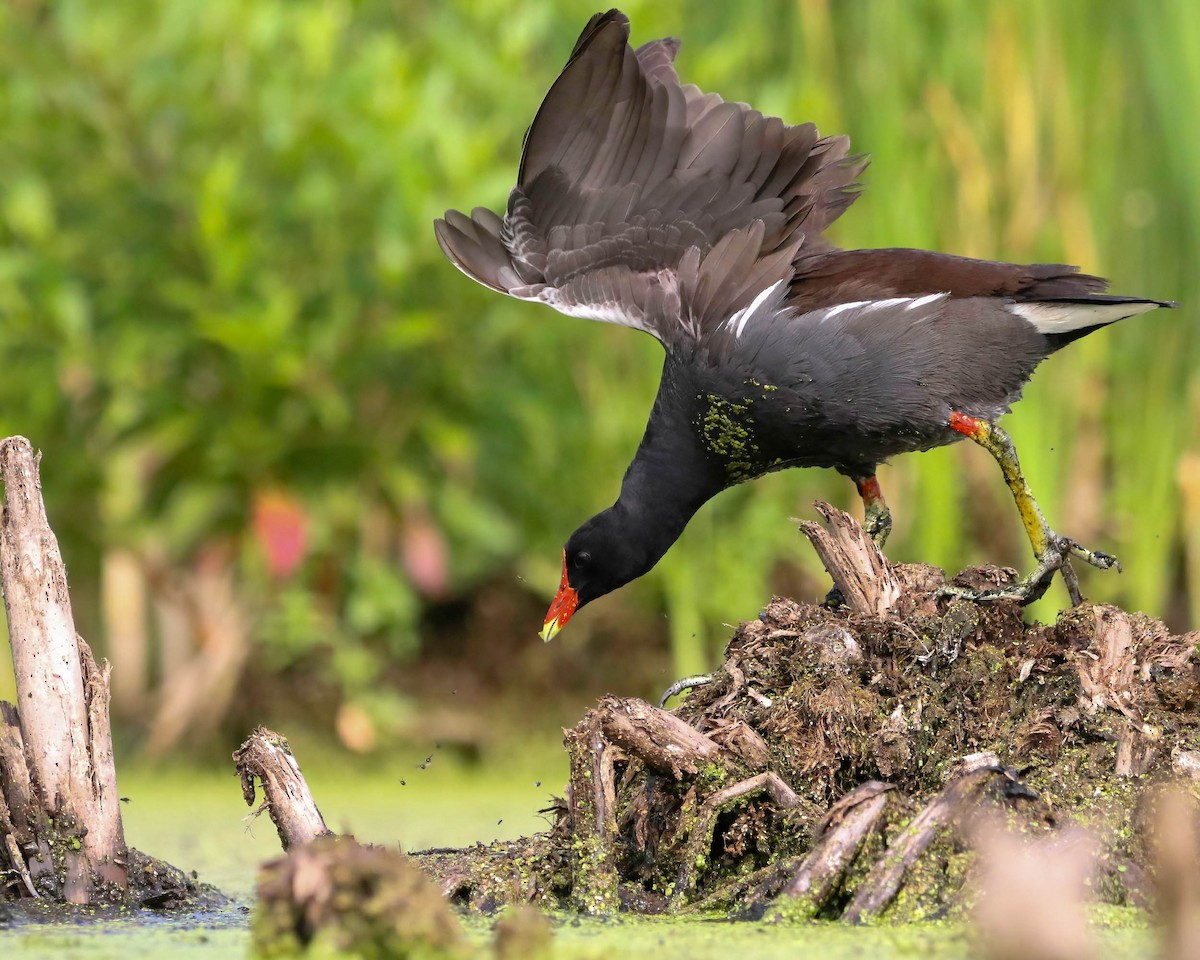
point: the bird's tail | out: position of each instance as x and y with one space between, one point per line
1065 319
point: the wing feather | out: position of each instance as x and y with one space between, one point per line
645 202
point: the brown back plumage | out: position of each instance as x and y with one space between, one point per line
829 278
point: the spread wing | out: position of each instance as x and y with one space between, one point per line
651 204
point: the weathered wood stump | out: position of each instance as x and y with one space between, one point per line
265 758
60 818
61 807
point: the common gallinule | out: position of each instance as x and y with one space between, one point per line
653 205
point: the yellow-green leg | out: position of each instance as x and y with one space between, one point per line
1052 551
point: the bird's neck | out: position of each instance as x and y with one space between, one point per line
669 479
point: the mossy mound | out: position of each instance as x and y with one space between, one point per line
1076 719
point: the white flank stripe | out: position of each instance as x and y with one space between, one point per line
842 308
1065 317
884 304
865 305
928 298
737 322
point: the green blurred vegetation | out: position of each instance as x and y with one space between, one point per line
220 299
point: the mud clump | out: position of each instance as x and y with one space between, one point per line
339 896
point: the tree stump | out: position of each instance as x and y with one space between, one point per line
60 817
65 793
267 759
840 763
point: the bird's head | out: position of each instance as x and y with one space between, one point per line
597 559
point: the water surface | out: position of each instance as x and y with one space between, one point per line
197 821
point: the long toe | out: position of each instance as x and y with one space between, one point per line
1098 559
1024 591
1057 556
685 683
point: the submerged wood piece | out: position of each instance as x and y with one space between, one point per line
701 837
887 876
265 757
839 839
660 739
591 808
859 571
62 694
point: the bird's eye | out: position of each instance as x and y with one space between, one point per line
583 558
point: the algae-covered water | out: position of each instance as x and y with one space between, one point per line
197 821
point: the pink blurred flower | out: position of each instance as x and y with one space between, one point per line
425 555
281 529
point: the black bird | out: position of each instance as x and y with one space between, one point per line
650 204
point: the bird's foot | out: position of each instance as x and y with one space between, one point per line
1056 556
684 683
